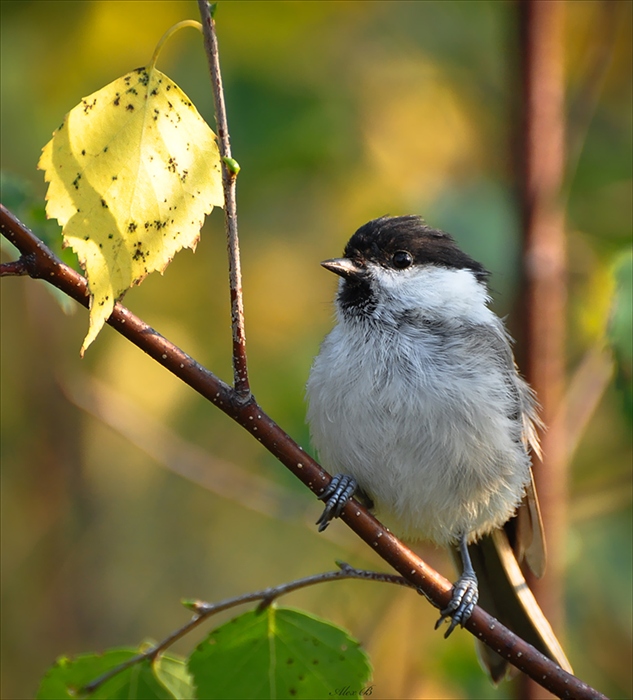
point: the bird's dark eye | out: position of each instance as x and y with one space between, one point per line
402 259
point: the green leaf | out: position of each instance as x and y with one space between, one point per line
278 653
165 680
172 672
132 171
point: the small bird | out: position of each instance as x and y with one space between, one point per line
417 406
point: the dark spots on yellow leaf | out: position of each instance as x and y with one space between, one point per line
139 253
143 76
110 235
156 114
168 87
183 176
130 108
83 152
185 102
100 245
61 126
76 181
78 211
105 150
88 105
172 166
131 91
104 204
154 92
86 238
171 106
115 177
117 101
128 78
151 158
131 227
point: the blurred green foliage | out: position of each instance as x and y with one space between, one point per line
339 112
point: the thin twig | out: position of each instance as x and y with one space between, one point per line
251 417
229 177
267 596
15 268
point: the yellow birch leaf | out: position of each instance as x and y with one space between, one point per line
132 171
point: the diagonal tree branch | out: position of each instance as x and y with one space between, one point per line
41 263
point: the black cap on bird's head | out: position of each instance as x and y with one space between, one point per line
400 242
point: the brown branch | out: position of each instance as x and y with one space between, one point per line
251 417
229 177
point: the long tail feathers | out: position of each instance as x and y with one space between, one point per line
504 593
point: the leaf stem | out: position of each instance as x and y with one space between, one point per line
229 177
168 34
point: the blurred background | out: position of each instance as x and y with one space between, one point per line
124 491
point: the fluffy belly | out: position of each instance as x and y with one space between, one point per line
435 455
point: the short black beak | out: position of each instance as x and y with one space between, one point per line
343 267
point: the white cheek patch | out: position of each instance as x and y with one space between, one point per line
434 290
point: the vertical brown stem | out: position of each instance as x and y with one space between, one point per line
229 177
543 151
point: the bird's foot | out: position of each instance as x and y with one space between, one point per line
463 601
336 495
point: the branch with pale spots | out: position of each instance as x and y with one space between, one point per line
41 263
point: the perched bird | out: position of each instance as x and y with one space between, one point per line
416 404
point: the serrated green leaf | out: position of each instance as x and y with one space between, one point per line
67 677
132 171
278 653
